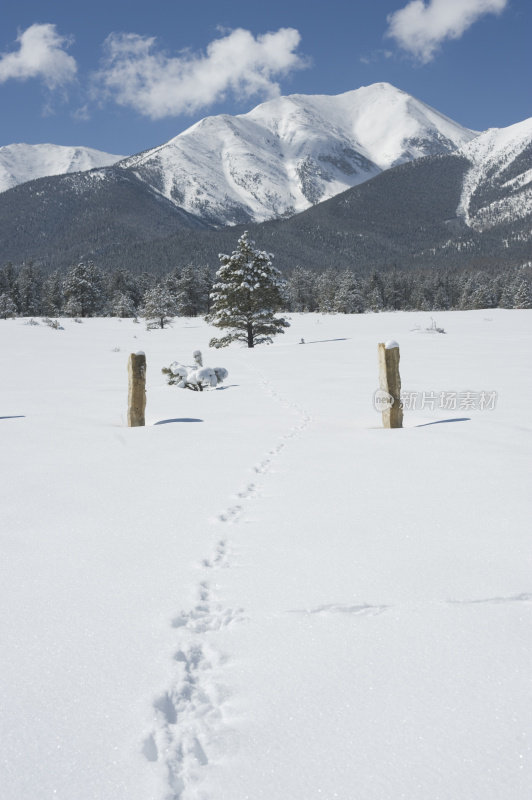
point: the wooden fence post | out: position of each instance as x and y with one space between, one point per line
390 382
136 404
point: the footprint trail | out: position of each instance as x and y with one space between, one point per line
190 723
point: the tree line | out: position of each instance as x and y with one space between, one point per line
85 290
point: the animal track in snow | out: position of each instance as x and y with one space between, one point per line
188 715
230 514
366 609
336 608
517 598
219 558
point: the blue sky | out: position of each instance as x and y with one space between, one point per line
123 75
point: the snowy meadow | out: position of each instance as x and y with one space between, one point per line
262 594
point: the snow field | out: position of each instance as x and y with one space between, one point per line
279 600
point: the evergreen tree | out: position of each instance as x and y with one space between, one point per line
245 297
7 307
375 292
326 291
29 283
83 290
348 298
121 305
52 295
523 296
189 299
394 290
159 307
122 283
300 290
8 282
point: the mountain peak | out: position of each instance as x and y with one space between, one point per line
293 151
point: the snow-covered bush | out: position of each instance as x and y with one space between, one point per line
52 323
197 377
433 328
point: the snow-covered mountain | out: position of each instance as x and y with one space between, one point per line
293 152
498 186
470 201
20 163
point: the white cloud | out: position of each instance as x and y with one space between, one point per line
41 54
421 28
136 74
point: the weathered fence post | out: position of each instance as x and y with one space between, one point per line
136 404
390 382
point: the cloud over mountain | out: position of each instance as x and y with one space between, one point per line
136 74
421 28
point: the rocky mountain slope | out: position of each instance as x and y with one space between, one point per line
26 162
468 207
498 186
293 152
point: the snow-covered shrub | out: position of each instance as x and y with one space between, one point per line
53 323
433 328
197 377
203 377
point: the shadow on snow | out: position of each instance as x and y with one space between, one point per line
440 421
179 419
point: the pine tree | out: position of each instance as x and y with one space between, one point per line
300 290
8 283
7 307
121 305
348 298
188 293
29 287
123 283
326 286
523 296
245 297
52 297
83 290
158 307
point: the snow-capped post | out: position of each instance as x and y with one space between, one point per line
390 382
137 390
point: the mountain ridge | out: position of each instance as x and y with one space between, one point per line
291 152
470 206
21 162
